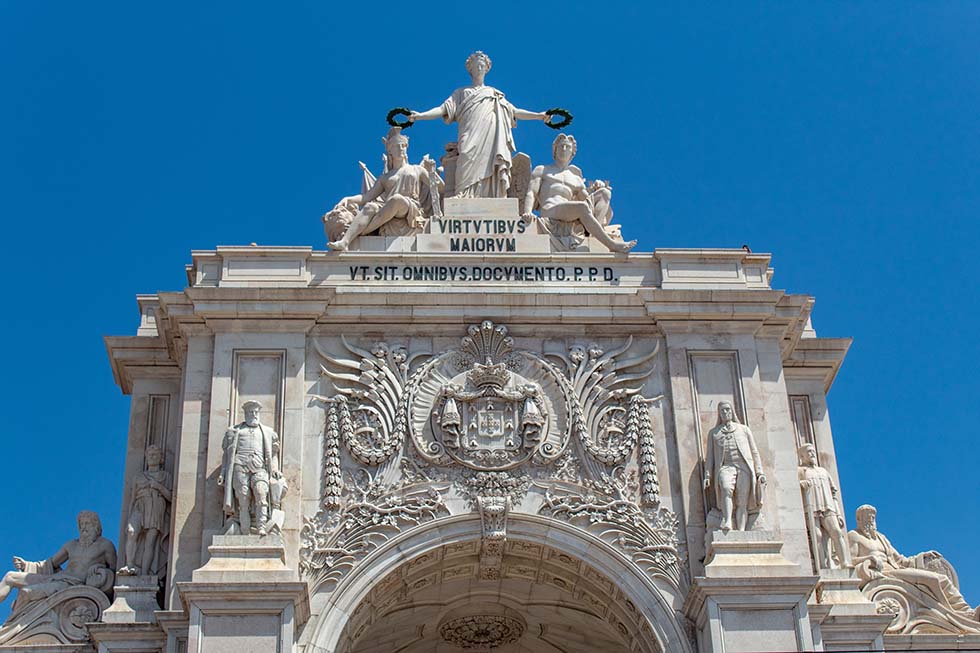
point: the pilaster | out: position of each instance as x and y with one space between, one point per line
245 598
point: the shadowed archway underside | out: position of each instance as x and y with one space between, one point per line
543 601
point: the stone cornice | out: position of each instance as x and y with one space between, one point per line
259 309
817 358
294 289
133 357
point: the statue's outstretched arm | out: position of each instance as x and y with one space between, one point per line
431 114
524 114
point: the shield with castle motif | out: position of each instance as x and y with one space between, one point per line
489 417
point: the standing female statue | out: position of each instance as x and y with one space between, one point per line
485 142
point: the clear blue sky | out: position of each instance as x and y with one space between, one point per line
842 137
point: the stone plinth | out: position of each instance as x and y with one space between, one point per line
128 637
244 598
135 600
242 558
746 553
847 620
751 597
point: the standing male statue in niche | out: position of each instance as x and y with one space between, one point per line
91 559
733 470
147 521
485 143
825 517
559 190
250 462
875 557
395 194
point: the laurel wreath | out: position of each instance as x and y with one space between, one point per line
558 111
399 111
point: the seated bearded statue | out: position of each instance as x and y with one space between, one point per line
926 581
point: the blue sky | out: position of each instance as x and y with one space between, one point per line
841 137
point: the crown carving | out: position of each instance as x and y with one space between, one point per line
489 375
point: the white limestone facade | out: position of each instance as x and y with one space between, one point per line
594 532
488 452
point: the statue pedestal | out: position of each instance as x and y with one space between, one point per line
847 619
135 600
244 598
751 598
129 625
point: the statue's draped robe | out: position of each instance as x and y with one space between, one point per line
485 140
150 507
44 579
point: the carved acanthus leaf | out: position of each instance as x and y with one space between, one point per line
332 543
605 509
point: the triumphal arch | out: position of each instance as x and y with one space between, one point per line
478 419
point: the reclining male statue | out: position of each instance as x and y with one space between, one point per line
875 558
90 560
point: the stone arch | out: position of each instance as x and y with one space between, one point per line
638 609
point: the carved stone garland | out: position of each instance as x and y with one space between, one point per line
333 483
639 420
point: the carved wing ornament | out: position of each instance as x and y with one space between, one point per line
374 429
606 403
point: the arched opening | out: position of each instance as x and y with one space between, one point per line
557 589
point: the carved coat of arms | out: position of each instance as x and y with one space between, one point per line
490 418
487 406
